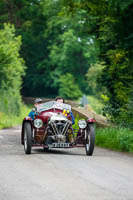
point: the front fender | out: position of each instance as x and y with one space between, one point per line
26 119
91 120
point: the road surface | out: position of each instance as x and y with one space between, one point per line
62 174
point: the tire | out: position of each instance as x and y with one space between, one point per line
90 139
27 138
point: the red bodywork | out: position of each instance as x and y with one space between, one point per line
41 133
91 120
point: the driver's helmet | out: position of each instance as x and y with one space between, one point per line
38 100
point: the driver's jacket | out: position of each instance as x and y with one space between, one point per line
72 116
32 116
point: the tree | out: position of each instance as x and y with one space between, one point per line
53 43
68 88
112 24
11 70
93 74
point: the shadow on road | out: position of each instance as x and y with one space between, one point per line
57 151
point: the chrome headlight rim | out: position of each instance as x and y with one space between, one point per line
82 124
38 123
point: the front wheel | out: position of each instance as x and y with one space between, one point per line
27 138
90 139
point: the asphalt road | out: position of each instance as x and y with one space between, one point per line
62 174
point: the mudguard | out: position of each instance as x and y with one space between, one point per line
91 120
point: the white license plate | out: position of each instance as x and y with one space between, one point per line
59 145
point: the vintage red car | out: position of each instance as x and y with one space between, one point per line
52 128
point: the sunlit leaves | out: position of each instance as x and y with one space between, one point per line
11 65
68 87
11 70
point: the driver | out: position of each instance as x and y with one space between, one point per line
61 100
36 103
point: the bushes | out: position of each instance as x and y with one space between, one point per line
10 102
120 139
121 116
9 120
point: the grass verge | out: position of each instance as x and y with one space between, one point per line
119 139
9 120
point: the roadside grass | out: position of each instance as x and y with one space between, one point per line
96 104
115 138
9 120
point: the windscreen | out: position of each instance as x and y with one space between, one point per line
52 105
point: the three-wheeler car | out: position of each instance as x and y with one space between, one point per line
52 128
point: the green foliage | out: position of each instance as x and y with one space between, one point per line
68 88
92 75
73 54
96 104
120 139
126 114
90 40
10 101
11 70
53 44
117 77
10 120
116 44
111 23
75 126
11 65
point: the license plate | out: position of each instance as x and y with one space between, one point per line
59 145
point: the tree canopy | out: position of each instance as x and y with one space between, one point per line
53 44
88 43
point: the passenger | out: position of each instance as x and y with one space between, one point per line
36 103
61 100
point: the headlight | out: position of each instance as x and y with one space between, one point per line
82 124
38 123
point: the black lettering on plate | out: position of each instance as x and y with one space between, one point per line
59 145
